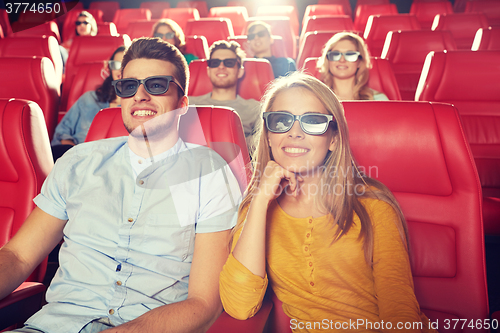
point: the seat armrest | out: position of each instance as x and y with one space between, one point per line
21 304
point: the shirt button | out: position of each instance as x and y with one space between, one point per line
118 283
310 264
111 311
139 161
306 248
308 234
130 219
141 182
312 284
310 221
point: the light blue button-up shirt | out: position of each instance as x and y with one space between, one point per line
129 240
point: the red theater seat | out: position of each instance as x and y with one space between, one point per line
28 29
331 10
487 39
448 77
200 5
344 3
280 26
140 29
43 46
406 51
491 8
68 30
32 79
156 7
326 23
213 29
463 26
426 11
237 14
124 16
378 26
312 45
5 23
381 76
27 160
364 11
108 8
277 48
86 49
258 74
288 11
198 46
107 29
181 15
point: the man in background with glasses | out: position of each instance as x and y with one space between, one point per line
225 68
145 218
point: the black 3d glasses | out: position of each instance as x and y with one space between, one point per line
310 123
229 63
154 85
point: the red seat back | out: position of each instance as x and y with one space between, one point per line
447 77
26 162
345 4
156 7
312 45
86 49
43 46
181 15
198 46
200 5
288 11
68 30
29 29
364 11
491 8
277 48
32 79
258 74
124 16
378 26
237 14
5 23
107 29
463 26
108 9
213 29
326 23
406 51
280 26
487 39
331 10
215 127
140 29
426 11
382 77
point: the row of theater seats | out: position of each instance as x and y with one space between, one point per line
433 177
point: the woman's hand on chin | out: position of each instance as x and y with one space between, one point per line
275 179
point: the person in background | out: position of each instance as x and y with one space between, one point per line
225 68
75 124
260 40
331 241
345 67
85 25
171 32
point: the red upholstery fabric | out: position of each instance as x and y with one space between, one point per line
27 16
491 8
181 15
378 26
277 48
381 76
107 29
5 23
124 16
312 45
213 29
200 5
364 11
68 30
281 26
43 46
140 29
33 79
108 8
326 23
447 77
86 49
198 46
463 27
436 184
288 11
487 39
345 4
425 11
406 51
39 29
27 160
330 10
156 7
258 74
237 14
21 304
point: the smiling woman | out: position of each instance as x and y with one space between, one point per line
331 240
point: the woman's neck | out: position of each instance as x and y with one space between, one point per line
344 88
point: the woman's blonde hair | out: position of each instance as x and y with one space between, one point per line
179 38
339 171
361 89
92 22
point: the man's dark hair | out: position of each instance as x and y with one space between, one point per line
155 48
229 45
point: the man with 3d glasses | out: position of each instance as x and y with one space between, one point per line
145 218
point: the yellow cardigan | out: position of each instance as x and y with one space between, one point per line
325 286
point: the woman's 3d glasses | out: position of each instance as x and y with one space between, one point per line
261 34
351 56
168 35
77 23
154 85
229 63
114 65
310 123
